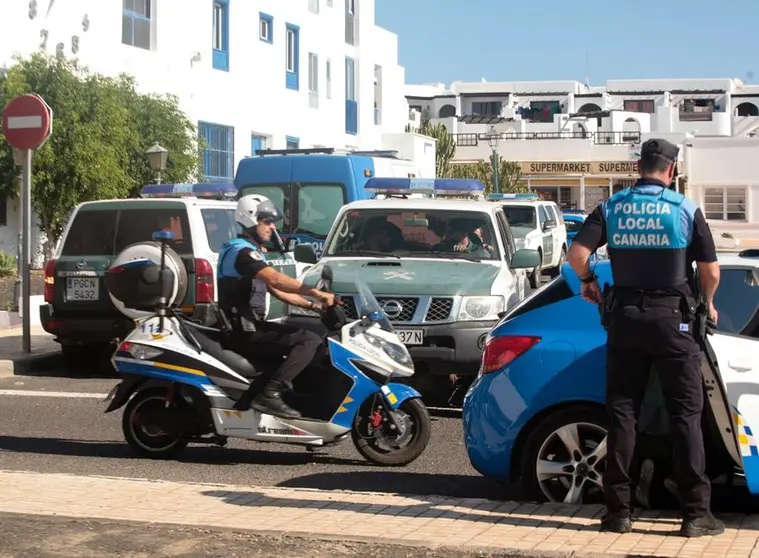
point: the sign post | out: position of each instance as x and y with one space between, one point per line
27 123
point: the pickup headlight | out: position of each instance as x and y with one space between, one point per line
399 353
520 243
476 308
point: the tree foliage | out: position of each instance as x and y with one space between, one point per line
509 175
101 130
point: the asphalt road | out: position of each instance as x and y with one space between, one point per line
71 434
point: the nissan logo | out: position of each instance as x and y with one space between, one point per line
81 264
392 308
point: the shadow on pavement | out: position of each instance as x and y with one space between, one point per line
407 483
207 455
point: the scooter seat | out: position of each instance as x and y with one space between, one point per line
209 340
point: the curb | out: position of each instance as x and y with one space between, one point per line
26 366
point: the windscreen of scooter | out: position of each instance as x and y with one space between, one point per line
368 306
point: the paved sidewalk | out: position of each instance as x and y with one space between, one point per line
429 520
13 359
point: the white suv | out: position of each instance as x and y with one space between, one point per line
537 225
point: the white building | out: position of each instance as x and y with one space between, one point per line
252 75
577 144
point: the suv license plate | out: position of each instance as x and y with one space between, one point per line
82 288
411 336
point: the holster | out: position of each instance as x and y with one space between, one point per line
700 319
608 306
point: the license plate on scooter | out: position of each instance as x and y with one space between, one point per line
111 394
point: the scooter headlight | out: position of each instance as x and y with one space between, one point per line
399 353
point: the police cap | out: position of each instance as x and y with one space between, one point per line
659 147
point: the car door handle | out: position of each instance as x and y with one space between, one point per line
740 365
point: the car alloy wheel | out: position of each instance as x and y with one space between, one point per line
571 462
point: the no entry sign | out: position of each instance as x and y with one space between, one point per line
27 122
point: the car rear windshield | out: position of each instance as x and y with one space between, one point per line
220 226
554 291
107 232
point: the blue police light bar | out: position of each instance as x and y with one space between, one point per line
434 186
501 197
213 191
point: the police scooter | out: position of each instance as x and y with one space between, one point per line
180 386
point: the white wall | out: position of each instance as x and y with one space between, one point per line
252 95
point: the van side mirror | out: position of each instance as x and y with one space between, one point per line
304 253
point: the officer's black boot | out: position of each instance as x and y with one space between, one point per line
702 526
270 401
614 523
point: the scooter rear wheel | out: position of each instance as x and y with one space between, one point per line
373 445
143 429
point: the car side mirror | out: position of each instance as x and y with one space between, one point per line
304 253
525 258
549 224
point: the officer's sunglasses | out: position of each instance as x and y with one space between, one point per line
267 222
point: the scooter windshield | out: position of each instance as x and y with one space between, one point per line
368 306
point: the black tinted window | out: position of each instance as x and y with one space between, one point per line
91 234
736 300
220 226
138 225
554 291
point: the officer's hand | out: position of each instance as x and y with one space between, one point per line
713 314
591 292
326 298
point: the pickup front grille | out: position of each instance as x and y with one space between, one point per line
439 310
403 312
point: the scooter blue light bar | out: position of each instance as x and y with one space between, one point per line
434 186
501 197
214 191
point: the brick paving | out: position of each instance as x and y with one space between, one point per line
431 520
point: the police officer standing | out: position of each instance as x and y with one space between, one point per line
653 235
244 280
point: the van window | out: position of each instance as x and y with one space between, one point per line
220 226
138 225
318 205
280 195
93 233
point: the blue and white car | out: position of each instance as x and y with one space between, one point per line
536 410
573 219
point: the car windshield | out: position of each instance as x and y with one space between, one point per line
521 217
573 226
423 234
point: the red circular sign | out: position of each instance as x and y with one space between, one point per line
26 122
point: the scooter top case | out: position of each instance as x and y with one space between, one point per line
733 398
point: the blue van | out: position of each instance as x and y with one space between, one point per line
311 185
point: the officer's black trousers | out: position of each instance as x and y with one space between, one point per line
273 340
639 338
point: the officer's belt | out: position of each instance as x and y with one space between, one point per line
648 300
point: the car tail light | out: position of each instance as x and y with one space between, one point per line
203 281
49 288
501 351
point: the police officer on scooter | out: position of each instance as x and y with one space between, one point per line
653 235
244 279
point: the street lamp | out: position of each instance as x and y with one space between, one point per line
493 137
157 157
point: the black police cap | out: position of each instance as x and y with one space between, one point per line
659 147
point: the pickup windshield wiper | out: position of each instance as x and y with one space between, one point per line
372 253
445 255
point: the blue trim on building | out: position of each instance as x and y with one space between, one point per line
221 56
292 80
289 140
270 21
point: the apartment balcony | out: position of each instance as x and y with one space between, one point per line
603 138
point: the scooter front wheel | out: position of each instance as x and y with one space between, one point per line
145 427
379 443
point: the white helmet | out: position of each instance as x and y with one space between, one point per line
253 207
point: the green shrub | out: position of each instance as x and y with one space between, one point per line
7 265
